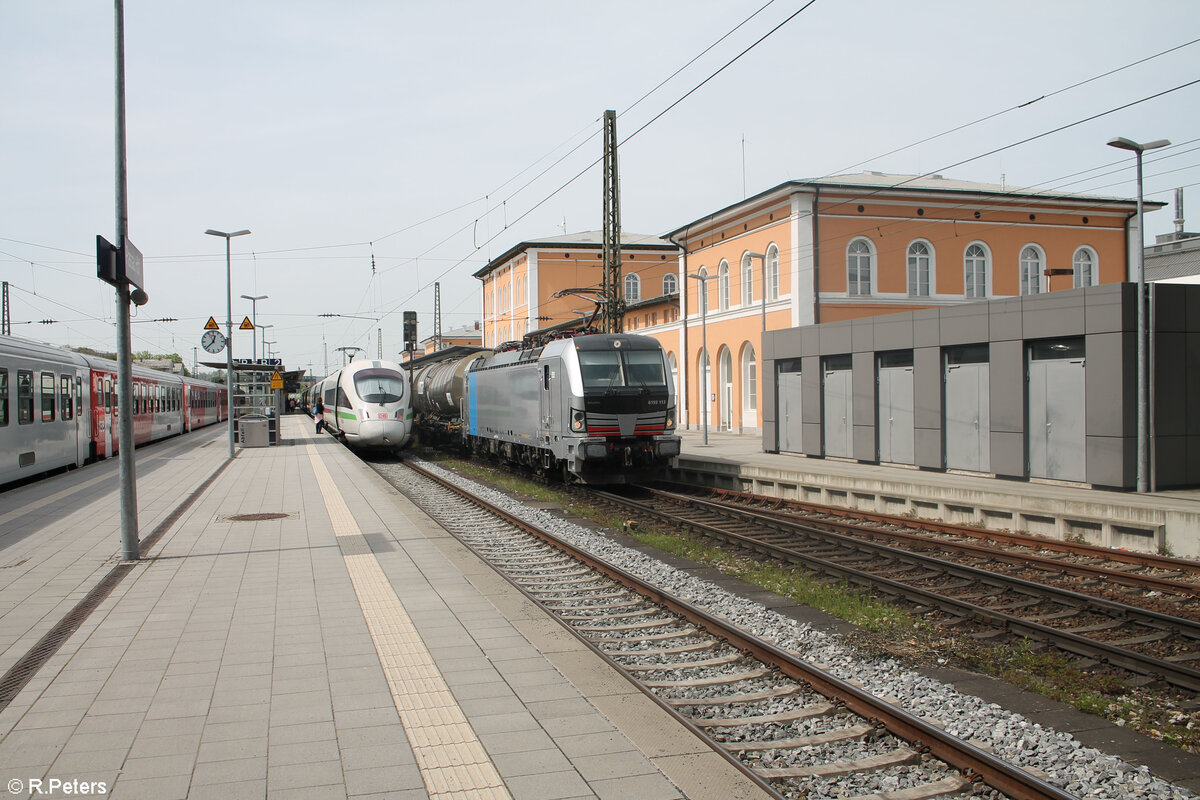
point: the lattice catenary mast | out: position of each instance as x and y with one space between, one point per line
614 299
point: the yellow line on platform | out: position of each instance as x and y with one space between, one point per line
452 761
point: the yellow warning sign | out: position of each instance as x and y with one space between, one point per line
211 325
276 380
246 325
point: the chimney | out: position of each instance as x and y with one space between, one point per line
1179 213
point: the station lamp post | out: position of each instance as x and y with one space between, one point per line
704 368
254 320
228 330
271 353
264 338
1143 404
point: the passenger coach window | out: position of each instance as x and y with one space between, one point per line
24 397
3 397
64 397
47 397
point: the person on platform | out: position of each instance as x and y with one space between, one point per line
319 415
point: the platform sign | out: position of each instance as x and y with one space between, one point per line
129 263
211 325
246 325
106 261
277 380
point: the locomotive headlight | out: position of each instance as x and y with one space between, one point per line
578 421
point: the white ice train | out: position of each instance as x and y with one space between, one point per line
368 405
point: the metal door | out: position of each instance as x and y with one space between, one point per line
789 428
968 410
895 426
839 407
1056 407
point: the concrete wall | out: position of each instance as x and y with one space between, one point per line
1104 316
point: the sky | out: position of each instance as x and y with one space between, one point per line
376 147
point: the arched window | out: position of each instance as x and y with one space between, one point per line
859 266
772 273
1084 262
702 287
726 378
1031 269
670 283
975 270
747 280
633 287
749 384
723 286
920 269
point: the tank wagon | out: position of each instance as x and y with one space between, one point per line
368 405
596 408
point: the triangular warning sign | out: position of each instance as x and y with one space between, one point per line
246 325
211 325
276 380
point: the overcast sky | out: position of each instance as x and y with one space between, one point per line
418 132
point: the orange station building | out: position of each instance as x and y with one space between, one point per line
824 250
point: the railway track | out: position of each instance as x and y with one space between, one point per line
797 729
1151 644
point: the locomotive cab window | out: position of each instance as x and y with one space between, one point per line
606 368
379 386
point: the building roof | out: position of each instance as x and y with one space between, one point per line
1173 259
883 182
585 240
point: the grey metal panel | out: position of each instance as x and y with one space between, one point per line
1191 379
1169 309
1170 403
811 392
810 341
864 394
862 335
963 325
927 397
1054 315
1113 376
896 438
928 448
1110 308
839 412
1007 361
1170 461
791 431
968 432
1057 439
1004 319
1112 461
836 337
783 344
927 330
1008 453
812 438
893 331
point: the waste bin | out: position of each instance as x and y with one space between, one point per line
254 431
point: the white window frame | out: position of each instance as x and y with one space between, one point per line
987 271
670 284
747 280
1093 266
929 267
723 286
854 288
633 287
772 272
1033 286
749 383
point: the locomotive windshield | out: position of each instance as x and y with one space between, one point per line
602 369
379 386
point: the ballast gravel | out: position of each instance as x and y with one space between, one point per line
1073 767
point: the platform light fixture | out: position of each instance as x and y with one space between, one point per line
254 320
1143 404
228 330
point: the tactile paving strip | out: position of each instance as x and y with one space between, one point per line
452 761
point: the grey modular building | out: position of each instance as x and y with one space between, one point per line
1038 386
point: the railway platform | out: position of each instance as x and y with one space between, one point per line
296 628
1167 521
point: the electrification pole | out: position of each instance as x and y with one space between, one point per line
614 303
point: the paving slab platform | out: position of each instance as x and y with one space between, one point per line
349 648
